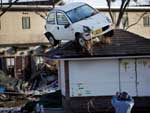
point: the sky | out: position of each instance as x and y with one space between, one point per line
99 3
95 3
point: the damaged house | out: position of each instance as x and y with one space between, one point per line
89 80
21 41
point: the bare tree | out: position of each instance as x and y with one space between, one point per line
109 8
136 22
122 9
44 14
4 10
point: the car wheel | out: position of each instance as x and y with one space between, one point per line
51 39
81 41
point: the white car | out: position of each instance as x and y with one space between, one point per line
76 21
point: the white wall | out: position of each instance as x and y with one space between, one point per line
93 77
143 77
127 76
105 77
61 75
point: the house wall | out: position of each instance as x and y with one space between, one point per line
106 77
18 67
139 28
133 17
11 31
93 78
61 74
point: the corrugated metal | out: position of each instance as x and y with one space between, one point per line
127 76
93 78
143 77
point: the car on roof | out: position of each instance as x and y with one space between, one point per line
76 21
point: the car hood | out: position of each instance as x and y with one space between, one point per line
94 22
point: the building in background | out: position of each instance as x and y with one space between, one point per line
22 37
135 19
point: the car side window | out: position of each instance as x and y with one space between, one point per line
61 19
51 18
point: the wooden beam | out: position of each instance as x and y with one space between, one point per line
66 70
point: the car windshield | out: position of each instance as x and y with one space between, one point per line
81 13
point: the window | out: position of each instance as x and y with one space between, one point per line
10 62
81 13
39 60
61 19
51 18
146 21
25 22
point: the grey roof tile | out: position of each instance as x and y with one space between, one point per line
123 43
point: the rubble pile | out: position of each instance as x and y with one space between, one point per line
10 110
15 92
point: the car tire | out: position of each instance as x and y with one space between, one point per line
51 39
80 41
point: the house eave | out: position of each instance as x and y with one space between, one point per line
101 58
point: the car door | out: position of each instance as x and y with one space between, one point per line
64 28
51 23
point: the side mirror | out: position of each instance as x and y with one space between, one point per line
67 25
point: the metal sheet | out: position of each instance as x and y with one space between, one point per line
94 78
127 76
143 77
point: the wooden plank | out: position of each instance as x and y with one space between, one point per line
66 70
18 67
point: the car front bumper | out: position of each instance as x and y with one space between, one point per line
97 33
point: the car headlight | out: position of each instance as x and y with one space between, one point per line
86 29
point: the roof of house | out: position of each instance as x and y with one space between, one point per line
123 43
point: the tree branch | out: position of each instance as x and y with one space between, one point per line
109 8
42 16
1 4
124 4
7 8
136 21
45 13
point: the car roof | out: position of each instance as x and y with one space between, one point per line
69 6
